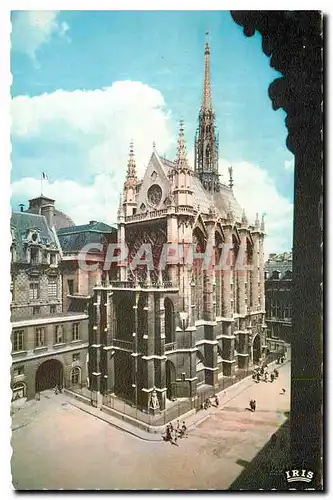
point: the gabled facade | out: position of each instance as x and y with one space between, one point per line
175 328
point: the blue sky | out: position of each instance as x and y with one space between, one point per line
85 83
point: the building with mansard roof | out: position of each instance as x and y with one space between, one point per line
171 331
49 347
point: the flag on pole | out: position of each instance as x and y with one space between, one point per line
43 176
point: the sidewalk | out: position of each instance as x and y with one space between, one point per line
191 418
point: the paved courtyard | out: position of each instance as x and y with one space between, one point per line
58 446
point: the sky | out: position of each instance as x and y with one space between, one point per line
86 83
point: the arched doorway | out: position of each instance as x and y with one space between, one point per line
170 376
256 349
49 374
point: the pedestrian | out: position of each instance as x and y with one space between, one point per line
175 437
184 430
254 405
171 427
56 390
258 377
251 404
283 391
216 400
262 370
272 377
178 426
167 433
266 376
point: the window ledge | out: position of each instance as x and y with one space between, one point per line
76 341
41 348
60 344
19 353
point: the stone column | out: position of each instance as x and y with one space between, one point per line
226 271
160 375
94 352
148 357
262 272
172 239
209 273
241 273
111 319
255 271
122 273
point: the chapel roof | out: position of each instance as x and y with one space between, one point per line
203 200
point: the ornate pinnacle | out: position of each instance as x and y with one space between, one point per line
131 167
207 93
262 225
244 218
181 160
231 181
257 222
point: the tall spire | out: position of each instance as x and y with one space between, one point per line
206 155
181 160
131 177
207 93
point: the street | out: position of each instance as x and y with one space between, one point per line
55 445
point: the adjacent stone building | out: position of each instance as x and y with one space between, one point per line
278 283
86 243
173 329
48 347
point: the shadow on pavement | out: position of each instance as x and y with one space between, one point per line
266 470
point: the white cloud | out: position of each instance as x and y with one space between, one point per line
289 165
256 193
101 123
32 29
97 201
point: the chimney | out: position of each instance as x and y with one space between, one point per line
92 222
21 205
48 212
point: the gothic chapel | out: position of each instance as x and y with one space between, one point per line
172 330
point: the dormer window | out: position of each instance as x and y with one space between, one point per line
34 256
53 259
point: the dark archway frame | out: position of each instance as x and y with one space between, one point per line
294 42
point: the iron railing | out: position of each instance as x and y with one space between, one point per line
170 346
178 408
